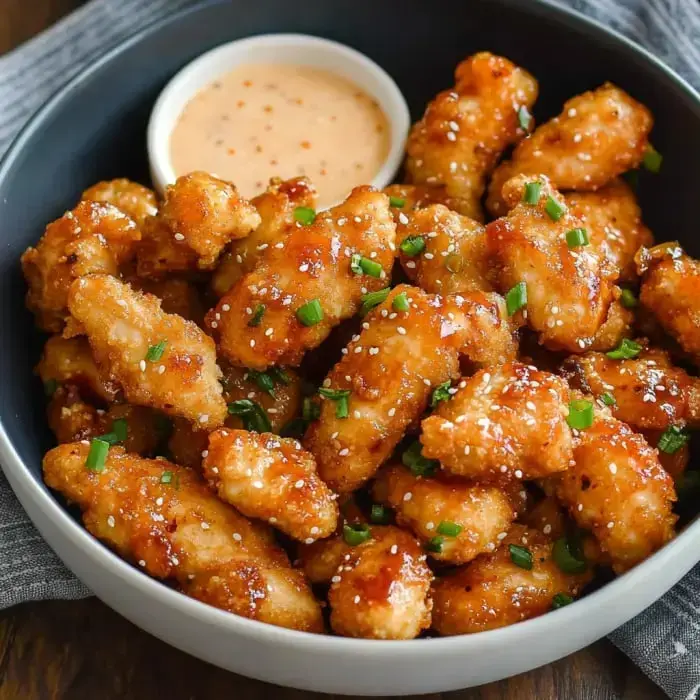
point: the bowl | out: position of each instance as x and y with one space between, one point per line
95 128
294 49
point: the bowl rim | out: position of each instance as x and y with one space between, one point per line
21 479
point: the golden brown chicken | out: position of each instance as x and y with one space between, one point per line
465 129
70 416
177 296
163 519
405 199
160 360
299 292
136 201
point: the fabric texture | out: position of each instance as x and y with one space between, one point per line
664 640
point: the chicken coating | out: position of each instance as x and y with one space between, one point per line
389 372
647 392
569 289
674 463
617 326
199 216
408 198
483 514
671 292
276 208
94 237
70 416
187 442
548 516
453 256
164 519
272 479
598 135
136 201
504 422
493 591
177 296
160 360
612 214
290 302
465 129
378 589
616 488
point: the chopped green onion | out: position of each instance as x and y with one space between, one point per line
279 375
397 202
304 215
370 267
369 301
608 399
380 515
263 380
97 455
524 118
251 414
412 246
532 192
567 558
166 477
310 313
554 209
356 534
434 545
440 393
520 556
400 302
652 159
627 299
257 316
580 414
340 396
419 465
577 237
560 600
155 352
50 386
672 439
120 428
516 298
626 350
449 529
355 263
310 410
109 438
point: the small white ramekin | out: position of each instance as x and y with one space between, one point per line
296 49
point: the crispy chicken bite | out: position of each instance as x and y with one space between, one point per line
407 198
598 135
456 520
464 130
674 462
70 416
164 519
160 360
618 325
443 252
187 443
136 201
199 216
276 209
493 591
272 479
385 380
509 421
299 292
379 588
94 237
177 296
569 289
616 488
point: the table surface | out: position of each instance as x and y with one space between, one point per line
83 649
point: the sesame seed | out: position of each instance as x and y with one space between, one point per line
203 418
403 219
179 237
429 525
159 501
257 484
518 474
237 537
225 307
303 267
205 453
391 412
336 579
214 324
110 521
142 365
613 468
451 136
344 452
394 548
269 332
407 496
611 525
122 303
579 507
547 529
314 530
205 526
309 540
356 414
299 484
401 330
252 343
142 562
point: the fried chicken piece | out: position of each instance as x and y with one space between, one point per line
453 257
187 443
674 463
164 519
464 130
144 427
276 209
94 237
379 589
617 326
70 416
136 201
177 296
271 315
409 198
616 488
389 372
671 292
548 516
509 421
427 505
569 290
493 591
125 328
70 361
199 216
598 135
612 216
647 392
272 479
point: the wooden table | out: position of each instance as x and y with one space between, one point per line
76 650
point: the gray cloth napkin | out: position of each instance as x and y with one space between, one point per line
664 640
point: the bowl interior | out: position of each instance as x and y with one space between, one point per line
97 128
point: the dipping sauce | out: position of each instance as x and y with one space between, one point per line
260 121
